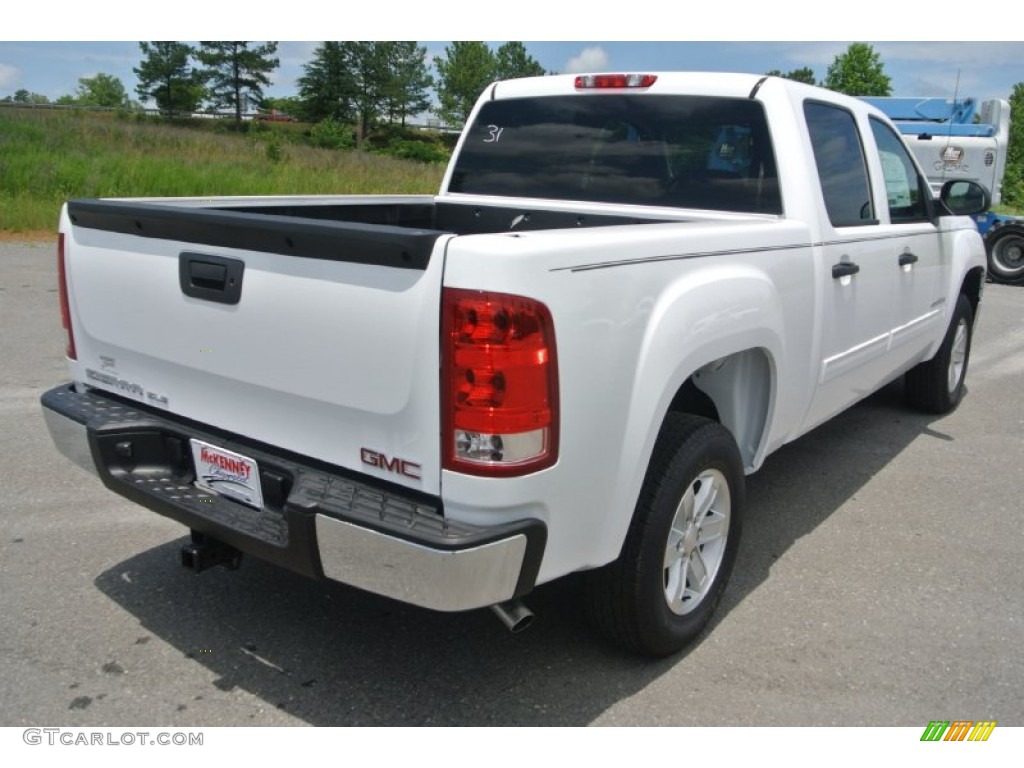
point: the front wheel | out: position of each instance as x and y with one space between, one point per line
937 385
661 591
1005 246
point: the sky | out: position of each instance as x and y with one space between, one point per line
985 70
733 37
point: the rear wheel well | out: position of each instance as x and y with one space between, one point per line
736 391
689 399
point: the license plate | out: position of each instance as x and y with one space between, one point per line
227 474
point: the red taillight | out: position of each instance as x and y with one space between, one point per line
616 81
499 384
65 307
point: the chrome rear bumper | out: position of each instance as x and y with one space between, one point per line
317 520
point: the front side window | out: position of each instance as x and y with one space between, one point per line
842 171
679 151
904 188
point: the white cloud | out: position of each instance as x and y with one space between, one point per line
589 60
9 76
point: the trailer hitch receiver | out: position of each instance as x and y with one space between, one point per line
206 552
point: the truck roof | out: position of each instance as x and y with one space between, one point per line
697 83
727 84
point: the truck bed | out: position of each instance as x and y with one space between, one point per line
305 323
393 234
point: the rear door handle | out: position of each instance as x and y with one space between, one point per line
906 259
844 269
211 278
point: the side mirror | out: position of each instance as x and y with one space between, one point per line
964 198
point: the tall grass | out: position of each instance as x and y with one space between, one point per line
47 157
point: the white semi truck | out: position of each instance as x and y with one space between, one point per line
958 139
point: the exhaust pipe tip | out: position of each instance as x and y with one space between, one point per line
514 615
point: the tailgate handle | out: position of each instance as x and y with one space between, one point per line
211 278
206 275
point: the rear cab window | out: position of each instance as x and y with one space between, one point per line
842 170
679 151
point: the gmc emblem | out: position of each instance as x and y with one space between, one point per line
398 466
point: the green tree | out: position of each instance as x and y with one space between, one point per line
326 88
802 75
289 105
22 96
368 70
858 72
406 90
1013 178
365 82
235 73
512 61
466 69
102 90
166 77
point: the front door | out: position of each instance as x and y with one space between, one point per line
915 251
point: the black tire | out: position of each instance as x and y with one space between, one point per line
628 600
1004 245
937 385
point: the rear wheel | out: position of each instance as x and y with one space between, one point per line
937 385
681 545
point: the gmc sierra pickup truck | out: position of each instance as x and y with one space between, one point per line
629 291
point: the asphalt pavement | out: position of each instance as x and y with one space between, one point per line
880 581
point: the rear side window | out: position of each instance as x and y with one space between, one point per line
839 155
679 151
905 189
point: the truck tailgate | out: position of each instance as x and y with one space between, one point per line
330 352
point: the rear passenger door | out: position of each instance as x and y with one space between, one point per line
856 267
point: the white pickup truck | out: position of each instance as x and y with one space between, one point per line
629 291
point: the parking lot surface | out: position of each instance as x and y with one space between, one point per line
880 581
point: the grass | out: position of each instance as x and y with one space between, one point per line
47 157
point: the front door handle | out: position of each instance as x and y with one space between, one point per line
906 259
844 269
